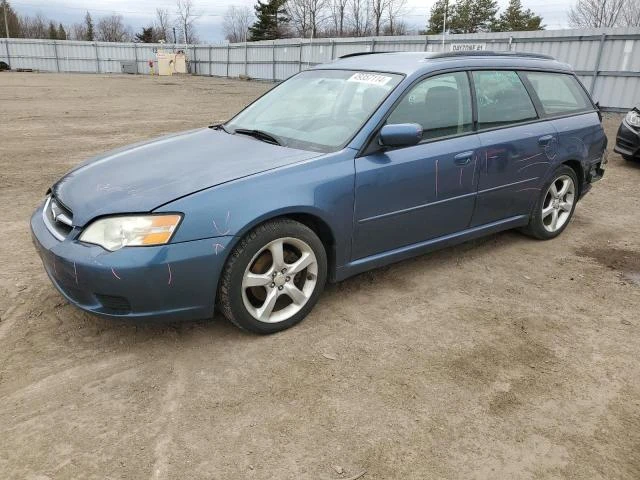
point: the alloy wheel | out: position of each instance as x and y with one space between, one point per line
279 280
558 203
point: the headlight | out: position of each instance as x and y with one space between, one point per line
113 233
633 118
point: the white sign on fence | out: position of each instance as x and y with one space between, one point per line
468 47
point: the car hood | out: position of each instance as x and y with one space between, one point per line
144 176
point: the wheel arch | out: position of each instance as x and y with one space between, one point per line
576 166
307 216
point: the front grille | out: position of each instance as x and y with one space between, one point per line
57 218
114 304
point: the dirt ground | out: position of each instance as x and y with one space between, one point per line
501 358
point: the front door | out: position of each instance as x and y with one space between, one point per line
408 195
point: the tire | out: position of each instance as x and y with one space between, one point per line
550 207
265 292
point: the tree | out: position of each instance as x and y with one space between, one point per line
597 13
359 18
473 16
395 11
236 23
62 33
271 20
307 16
88 23
378 10
13 22
113 29
186 20
440 8
147 35
631 14
34 27
53 31
515 19
338 13
161 25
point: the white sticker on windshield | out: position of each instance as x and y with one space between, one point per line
370 78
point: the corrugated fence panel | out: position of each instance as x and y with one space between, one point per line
611 57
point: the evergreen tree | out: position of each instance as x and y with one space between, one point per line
53 31
12 20
146 36
271 20
62 34
515 18
472 16
436 17
88 21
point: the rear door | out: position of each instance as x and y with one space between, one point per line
516 148
412 194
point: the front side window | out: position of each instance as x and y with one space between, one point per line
502 99
440 104
317 110
559 93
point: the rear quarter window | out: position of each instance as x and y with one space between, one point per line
559 93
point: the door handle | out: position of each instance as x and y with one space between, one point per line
463 158
544 141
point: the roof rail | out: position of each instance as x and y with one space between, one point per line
489 53
357 54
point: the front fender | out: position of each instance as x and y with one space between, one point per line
321 187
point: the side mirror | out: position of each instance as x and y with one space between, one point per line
400 135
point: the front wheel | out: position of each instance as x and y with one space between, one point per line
274 277
555 205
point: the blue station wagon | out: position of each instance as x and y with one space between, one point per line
348 166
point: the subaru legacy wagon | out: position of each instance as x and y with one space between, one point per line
348 166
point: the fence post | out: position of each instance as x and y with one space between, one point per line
273 58
55 51
333 49
300 57
6 44
95 44
426 42
597 67
373 45
135 54
210 62
228 58
246 59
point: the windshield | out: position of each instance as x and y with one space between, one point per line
318 110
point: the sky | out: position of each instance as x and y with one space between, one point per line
138 13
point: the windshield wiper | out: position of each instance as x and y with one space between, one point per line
260 135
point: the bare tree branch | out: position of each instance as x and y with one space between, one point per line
236 23
186 19
161 25
597 13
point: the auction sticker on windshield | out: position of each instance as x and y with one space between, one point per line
370 78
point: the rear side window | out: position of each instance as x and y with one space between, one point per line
559 93
441 104
502 99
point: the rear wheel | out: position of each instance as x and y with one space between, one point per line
274 277
555 205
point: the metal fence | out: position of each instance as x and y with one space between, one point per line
606 60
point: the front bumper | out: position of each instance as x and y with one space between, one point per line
170 282
628 141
